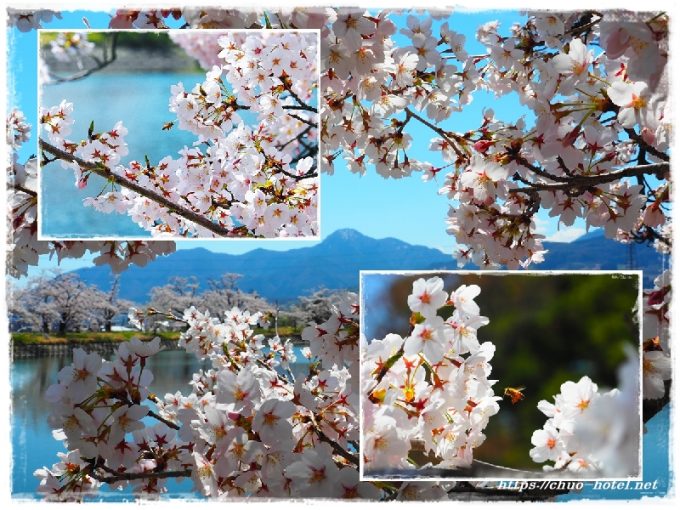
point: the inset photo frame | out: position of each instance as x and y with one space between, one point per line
501 375
148 134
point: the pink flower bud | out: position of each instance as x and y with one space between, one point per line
482 146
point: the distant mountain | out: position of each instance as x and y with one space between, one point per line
593 251
335 263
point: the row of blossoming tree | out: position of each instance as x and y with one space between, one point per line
598 148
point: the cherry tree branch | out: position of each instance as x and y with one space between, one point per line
302 119
354 459
158 417
644 145
299 137
444 134
311 173
301 104
539 171
140 476
106 173
580 182
23 189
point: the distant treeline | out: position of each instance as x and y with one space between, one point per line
157 41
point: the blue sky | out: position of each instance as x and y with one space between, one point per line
408 209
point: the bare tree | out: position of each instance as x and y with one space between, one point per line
106 306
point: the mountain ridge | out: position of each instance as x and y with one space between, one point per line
334 263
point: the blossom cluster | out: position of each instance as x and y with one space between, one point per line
656 357
27 19
97 411
251 426
24 249
256 180
594 113
18 130
257 423
596 84
590 432
429 391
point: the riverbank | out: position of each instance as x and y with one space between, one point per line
38 345
129 60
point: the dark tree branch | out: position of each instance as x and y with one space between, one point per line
302 119
301 104
640 141
169 423
445 135
23 189
298 137
310 174
311 151
140 476
541 172
354 459
580 182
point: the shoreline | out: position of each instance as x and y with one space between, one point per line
135 61
33 350
21 350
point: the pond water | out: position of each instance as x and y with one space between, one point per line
32 443
141 102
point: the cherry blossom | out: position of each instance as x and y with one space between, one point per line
590 432
26 20
208 192
597 86
428 296
423 389
24 249
545 162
